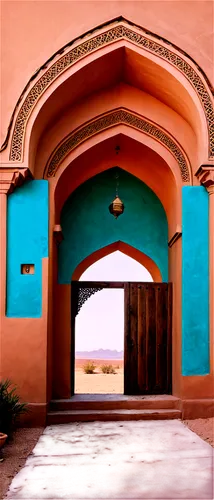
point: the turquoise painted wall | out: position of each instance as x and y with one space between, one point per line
195 281
88 226
27 243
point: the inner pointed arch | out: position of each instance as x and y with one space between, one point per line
126 249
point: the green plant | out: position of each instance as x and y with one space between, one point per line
108 369
10 407
89 367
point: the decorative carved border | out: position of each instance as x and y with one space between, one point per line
120 31
84 294
114 118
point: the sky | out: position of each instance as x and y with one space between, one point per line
100 322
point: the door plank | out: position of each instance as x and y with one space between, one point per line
126 337
169 339
131 344
151 338
74 300
161 340
142 358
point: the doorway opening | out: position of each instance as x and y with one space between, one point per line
99 324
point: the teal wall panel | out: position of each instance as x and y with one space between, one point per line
195 281
88 226
27 243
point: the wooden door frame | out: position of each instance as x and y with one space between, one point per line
101 285
76 285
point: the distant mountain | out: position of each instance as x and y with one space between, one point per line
100 354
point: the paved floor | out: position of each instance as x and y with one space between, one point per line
117 460
118 397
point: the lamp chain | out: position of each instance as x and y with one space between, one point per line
117 184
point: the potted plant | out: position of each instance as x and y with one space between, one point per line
10 409
3 438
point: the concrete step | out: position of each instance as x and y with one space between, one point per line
64 417
115 402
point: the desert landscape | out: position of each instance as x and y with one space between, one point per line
98 382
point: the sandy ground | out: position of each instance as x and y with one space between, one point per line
15 453
204 427
98 382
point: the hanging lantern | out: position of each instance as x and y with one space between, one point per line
116 208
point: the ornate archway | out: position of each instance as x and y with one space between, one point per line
118 117
168 134
114 32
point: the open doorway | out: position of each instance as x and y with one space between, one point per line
99 326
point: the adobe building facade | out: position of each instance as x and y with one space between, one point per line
87 87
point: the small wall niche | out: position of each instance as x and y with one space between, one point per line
27 268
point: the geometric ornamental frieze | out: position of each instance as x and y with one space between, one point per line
84 294
123 30
119 116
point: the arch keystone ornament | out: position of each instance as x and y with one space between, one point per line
119 29
118 116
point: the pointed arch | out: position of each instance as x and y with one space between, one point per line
128 250
103 37
120 116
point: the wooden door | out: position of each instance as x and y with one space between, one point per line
148 345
